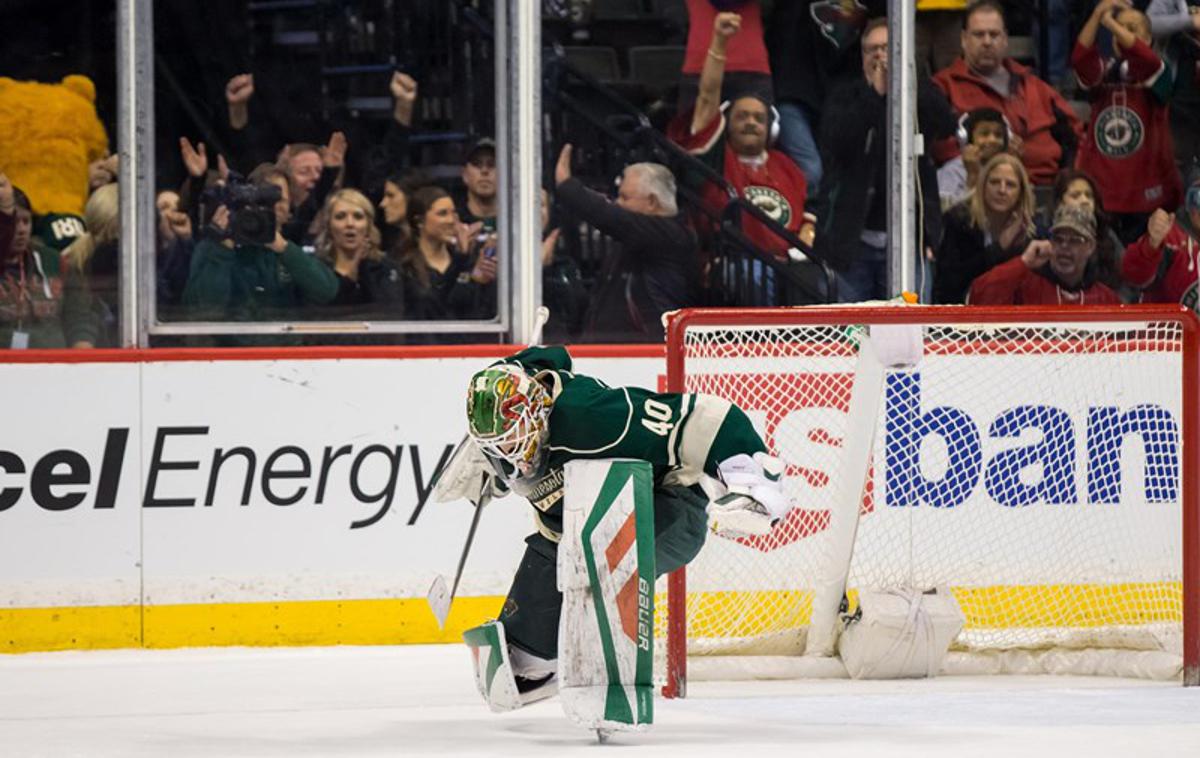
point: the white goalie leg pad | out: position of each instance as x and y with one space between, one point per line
606 574
899 633
497 666
529 666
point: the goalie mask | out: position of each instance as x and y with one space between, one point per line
507 415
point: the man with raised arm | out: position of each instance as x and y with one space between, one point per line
655 269
734 139
530 414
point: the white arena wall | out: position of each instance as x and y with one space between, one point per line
172 498
127 517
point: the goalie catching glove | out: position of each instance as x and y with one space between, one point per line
753 500
468 475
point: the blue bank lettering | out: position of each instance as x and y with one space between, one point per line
1051 453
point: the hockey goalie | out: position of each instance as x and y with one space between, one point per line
625 484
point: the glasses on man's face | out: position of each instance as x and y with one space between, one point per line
1073 241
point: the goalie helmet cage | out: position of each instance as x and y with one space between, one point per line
1037 462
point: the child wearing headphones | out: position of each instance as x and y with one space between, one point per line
982 133
1129 149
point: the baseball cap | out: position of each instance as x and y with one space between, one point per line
479 146
1076 219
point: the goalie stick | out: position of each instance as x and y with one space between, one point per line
439 599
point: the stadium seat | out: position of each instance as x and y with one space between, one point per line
617 10
597 62
656 67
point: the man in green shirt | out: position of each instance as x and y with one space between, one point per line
530 414
255 282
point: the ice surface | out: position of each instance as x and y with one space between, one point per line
421 700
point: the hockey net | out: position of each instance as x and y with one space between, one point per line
1031 463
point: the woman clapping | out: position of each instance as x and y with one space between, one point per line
369 285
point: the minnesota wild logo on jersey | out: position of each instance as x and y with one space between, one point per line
1119 131
771 202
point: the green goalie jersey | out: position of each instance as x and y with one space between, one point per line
684 436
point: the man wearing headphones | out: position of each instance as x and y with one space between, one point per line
734 138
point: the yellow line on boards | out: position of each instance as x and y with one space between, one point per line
1080 605
290 623
25 630
410 621
747 613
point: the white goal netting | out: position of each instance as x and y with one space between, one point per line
1033 470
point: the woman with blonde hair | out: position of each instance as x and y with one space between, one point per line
369 284
994 224
91 275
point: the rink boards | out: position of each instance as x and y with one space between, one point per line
181 498
246 498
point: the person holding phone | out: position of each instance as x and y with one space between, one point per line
445 274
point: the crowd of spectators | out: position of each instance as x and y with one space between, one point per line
1028 196
1015 180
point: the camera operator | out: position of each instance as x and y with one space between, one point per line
243 269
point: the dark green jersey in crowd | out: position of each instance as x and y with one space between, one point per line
684 436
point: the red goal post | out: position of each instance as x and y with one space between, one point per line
1038 462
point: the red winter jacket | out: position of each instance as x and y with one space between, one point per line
1169 281
1035 112
1128 148
1014 283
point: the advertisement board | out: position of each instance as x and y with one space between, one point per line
248 499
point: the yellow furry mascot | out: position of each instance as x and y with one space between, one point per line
49 135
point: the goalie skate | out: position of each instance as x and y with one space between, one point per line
507 678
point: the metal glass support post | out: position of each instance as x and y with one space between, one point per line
519 159
135 144
902 219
